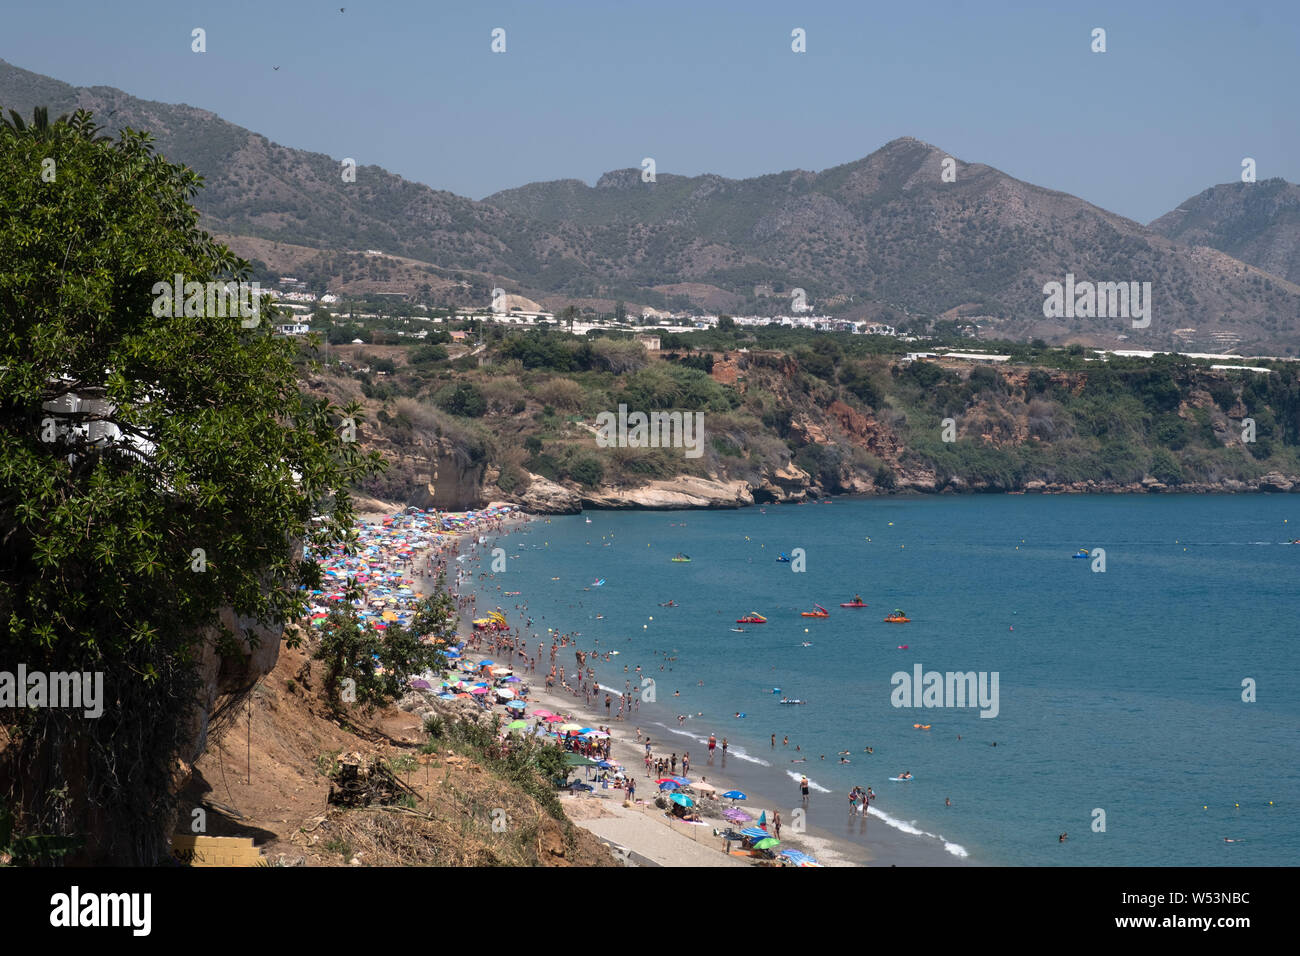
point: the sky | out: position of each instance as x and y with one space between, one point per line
1182 94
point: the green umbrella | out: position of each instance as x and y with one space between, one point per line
766 843
517 725
577 760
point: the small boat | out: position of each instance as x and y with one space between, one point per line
856 602
1081 553
598 583
785 700
783 558
588 521
739 630
752 618
668 604
820 612
898 617
681 558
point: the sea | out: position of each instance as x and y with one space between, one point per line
1146 702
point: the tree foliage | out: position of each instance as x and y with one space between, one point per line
154 470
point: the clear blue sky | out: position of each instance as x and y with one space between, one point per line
1183 93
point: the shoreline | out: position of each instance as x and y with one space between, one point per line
877 839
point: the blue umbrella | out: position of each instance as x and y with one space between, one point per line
735 795
482 663
755 833
682 800
669 785
516 703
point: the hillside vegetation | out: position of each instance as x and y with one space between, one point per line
796 414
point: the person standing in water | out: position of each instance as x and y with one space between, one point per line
803 788
713 743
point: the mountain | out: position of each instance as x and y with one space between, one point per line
1257 223
883 237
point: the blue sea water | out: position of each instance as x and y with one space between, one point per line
1118 691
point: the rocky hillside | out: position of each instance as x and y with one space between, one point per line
520 422
1256 222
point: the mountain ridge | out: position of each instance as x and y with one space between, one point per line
883 237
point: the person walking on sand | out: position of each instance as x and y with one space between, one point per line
776 823
686 764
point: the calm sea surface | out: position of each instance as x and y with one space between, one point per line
1118 692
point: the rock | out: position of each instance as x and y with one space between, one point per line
685 491
546 497
1275 481
1035 485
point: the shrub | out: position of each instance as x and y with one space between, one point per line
464 399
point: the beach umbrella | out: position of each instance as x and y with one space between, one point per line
767 843
682 799
567 727
762 818
516 705
517 725
701 785
542 713
479 690
595 733
755 833
735 795
669 785
553 718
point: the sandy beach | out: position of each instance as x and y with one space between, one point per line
646 831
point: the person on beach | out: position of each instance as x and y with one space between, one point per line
776 823
774 741
947 801
724 746
803 788
713 743
673 763
785 741
686 764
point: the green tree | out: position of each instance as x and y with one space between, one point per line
202 473
380 662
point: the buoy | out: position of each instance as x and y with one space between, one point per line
652 617
805 630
